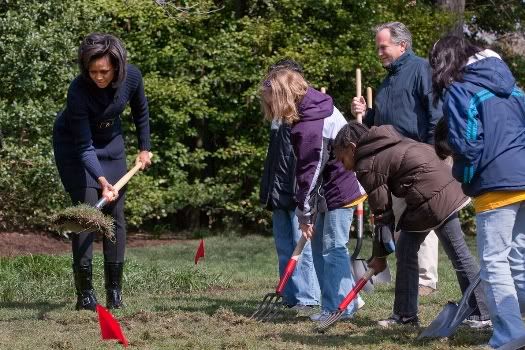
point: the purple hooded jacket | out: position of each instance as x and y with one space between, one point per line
322 181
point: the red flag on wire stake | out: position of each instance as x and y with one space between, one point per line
200 252
109 326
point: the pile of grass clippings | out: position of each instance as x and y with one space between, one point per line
84 217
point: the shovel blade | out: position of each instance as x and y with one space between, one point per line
452 315
446 323
383 277
359 268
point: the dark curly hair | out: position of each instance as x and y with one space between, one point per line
448 58
97 45
350 133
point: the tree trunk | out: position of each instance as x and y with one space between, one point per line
457 7
240 8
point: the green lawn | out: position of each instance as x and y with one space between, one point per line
172 304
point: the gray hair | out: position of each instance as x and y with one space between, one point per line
398 31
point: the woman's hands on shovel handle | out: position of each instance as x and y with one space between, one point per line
144 158
108 191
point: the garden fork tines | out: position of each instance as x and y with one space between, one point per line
334 316
268 308
272 303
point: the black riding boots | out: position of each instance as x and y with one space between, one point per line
86 299
113 277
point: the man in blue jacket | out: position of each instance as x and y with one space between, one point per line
404 100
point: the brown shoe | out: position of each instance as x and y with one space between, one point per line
423 291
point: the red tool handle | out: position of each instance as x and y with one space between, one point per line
357 288
290 267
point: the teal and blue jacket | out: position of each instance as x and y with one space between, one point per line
485 113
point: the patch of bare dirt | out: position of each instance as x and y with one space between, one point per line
14 243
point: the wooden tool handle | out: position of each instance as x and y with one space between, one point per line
124 180
120 183
359 116
369 97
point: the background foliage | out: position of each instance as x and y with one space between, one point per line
201 68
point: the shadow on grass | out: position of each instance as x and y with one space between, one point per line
369 334
209 305
42 308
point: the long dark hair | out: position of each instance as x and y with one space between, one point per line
441 145
97 45
448 58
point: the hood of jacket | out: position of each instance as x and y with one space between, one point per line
315 105
390 164
487 70
377 139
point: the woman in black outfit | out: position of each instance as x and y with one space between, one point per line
90 154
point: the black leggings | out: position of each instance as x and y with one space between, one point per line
82 243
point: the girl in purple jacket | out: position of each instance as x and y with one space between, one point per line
326 193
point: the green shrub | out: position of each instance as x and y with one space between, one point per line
201 75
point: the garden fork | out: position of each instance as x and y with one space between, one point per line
334 316
272 302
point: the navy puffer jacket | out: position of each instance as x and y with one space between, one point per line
278 180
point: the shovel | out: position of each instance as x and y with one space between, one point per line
270 305
449 319
82 218
359 265
334 317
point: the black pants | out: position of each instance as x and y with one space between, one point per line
82 243
407 277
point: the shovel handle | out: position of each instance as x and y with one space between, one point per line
122 182
359 116
290 267
357 288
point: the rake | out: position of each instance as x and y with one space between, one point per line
271 304
334 316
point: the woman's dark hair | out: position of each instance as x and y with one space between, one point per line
350 133
97 45
441 145
448 58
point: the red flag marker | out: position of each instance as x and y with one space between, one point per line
109 326
200 252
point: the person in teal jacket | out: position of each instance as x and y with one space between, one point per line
484 131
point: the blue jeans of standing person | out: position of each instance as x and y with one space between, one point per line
501 249
302 288
331 258
407 276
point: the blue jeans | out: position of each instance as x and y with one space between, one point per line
331 258
501 249
302 288
407 277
